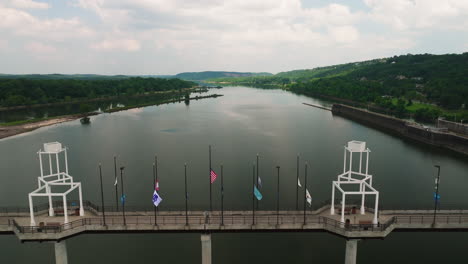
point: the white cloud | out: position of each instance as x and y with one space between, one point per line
344 34
159 36
27 4
117 44
19 22
40 48
420 14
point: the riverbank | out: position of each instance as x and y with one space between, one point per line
11 130
26 126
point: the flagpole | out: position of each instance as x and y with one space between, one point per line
297 183
253 194
209 174
222 197
186 205
277 197
258 176
123 195
305 195
116 190
102 197
154 182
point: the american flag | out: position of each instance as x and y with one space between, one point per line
213 176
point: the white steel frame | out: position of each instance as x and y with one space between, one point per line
360 178
54 179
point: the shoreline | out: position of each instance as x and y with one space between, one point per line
8 131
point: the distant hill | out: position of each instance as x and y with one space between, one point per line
57 76
389 83
192 76
199 76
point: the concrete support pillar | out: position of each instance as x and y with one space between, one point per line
343 205
351 251
332 206
81 200
65 209
363 199
206 248
61 252
31 210
51 206
376 209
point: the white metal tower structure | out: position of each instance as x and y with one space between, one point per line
360 181
54 178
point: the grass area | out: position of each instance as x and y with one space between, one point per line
417 106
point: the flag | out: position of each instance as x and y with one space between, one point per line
156 198
259 183
257 193
299 183
157 185
309 198
123 198
213 176
115 183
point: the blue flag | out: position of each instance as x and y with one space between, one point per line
123 198
156 198
257 193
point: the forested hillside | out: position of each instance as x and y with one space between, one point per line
402 84
15 92
199 76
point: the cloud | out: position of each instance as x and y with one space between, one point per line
344 34
41 48
159 36
19 22
27 4
420 14
117 45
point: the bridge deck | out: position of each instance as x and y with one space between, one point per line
52 228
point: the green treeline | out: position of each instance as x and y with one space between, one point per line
15 92
423 86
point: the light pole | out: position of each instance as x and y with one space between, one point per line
277 197
123 195
116 190
102 197
436 196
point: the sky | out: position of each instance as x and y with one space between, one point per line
155 37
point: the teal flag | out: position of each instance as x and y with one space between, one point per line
257 193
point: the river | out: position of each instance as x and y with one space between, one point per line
240 124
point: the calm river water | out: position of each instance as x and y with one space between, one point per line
242 123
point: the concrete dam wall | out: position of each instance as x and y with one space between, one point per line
404 128
453 126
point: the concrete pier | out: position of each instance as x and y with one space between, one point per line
351 251
206 248
61 252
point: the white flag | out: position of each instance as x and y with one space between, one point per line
299 183
309 198
156 198
115 183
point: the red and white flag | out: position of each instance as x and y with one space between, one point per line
213 176
157 185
